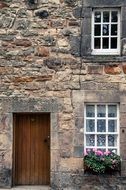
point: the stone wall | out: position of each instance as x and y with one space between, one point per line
42 70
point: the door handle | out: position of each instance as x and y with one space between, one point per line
45 140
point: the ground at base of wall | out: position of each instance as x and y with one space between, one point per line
86 187
28 188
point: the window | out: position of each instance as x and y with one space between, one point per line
105 31
101 127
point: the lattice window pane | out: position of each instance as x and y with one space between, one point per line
97 17
101 112
90 125
101 125
106 16
90 111
101 140
112 140
112 111
112 126
90 140
114 17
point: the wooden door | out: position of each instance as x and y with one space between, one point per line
31 149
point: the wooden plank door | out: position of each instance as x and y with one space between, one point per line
31 149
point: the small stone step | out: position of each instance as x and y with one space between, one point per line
28 188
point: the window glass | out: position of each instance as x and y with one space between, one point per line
113 43
90 111
97 43
101 110
90 125
114 16
112 140
90 140
112 111
105 43
97 30
114 29
97 16
101 140
106 16
105 30
112 126
101 125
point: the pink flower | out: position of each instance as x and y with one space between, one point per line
107 153
94 149
99 153
88 150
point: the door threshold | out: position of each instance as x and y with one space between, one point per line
31 187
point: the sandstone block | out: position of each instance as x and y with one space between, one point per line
62 43
3 5
23 79
42 51
95 69
4 141
123 120
22 42
124 69
6 70
22 24
55 160
71 164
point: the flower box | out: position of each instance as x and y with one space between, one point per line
98 162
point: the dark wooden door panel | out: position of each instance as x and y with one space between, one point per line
32 149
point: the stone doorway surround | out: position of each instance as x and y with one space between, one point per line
9 106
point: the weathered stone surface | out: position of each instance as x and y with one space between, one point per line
3 5
46 65
70 2
113 70
42 14
75 45
95 69
49 40
29 33
77 12
42 51
22 24
6 70
124 69
53 63
22 42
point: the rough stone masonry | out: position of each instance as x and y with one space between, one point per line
46 66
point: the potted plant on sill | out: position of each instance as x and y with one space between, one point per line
98 162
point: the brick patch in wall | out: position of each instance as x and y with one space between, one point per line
113 69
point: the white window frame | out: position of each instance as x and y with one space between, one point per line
108 51
104 133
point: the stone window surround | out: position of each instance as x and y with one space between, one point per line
86 15
25 105
103 96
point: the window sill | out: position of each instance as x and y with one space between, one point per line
103 59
